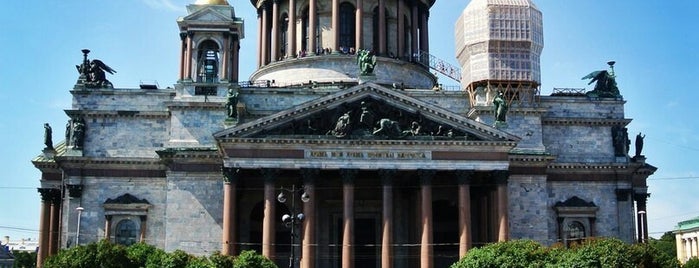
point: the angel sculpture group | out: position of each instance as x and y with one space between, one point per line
92 73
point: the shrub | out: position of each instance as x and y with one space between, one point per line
24 259
693 262
250 259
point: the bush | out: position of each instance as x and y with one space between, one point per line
693 262
607 252
250 259
514 254
107 255
24 259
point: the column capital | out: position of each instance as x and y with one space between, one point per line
501 176
464 176
309 174
348 174
387 175
52 195
183 36
426 175
75 190
269 174
230 174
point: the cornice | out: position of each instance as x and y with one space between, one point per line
118 114
238 141
564 167
584 121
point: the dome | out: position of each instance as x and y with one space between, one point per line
211 2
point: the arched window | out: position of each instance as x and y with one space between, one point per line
208 62
126 232
347 26
283 35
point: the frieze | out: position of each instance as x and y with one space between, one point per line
353 154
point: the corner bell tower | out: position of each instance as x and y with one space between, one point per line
211 35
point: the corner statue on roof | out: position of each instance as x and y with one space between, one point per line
606 83
366 61
92 72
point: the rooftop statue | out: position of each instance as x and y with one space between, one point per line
92 72
231 104
500 108
366 61
48 139
606 83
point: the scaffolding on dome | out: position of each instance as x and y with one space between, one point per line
521 93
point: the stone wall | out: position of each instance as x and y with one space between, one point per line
194 212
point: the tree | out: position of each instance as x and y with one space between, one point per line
24 259
250 259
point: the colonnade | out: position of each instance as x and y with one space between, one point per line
49 220
229 51
690 248
269 17
308 233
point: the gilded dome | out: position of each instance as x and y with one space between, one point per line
211 2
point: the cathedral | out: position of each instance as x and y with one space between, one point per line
341 149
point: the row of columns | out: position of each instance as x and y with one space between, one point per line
230 57
49 221
641 216
309 230
690 248
268 43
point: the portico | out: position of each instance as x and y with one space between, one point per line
378 200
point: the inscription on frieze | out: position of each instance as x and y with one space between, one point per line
335 154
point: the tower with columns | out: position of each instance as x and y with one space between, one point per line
398 175
211 35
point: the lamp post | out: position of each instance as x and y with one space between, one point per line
291 221
77 231
643 228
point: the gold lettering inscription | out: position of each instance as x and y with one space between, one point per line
319 154
368 155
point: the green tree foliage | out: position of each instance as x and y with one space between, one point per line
24 259
513 254
107 255
693 262
665 245
250 259
607 252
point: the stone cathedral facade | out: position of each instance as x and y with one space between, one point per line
387 170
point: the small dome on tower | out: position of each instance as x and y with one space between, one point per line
211 2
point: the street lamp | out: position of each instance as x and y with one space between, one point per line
77 231
643 228
291 221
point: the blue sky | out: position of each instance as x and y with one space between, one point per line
654 43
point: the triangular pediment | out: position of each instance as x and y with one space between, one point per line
210 14
366 112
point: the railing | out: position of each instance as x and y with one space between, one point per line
430 61
559 91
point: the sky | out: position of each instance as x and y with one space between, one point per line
654 43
